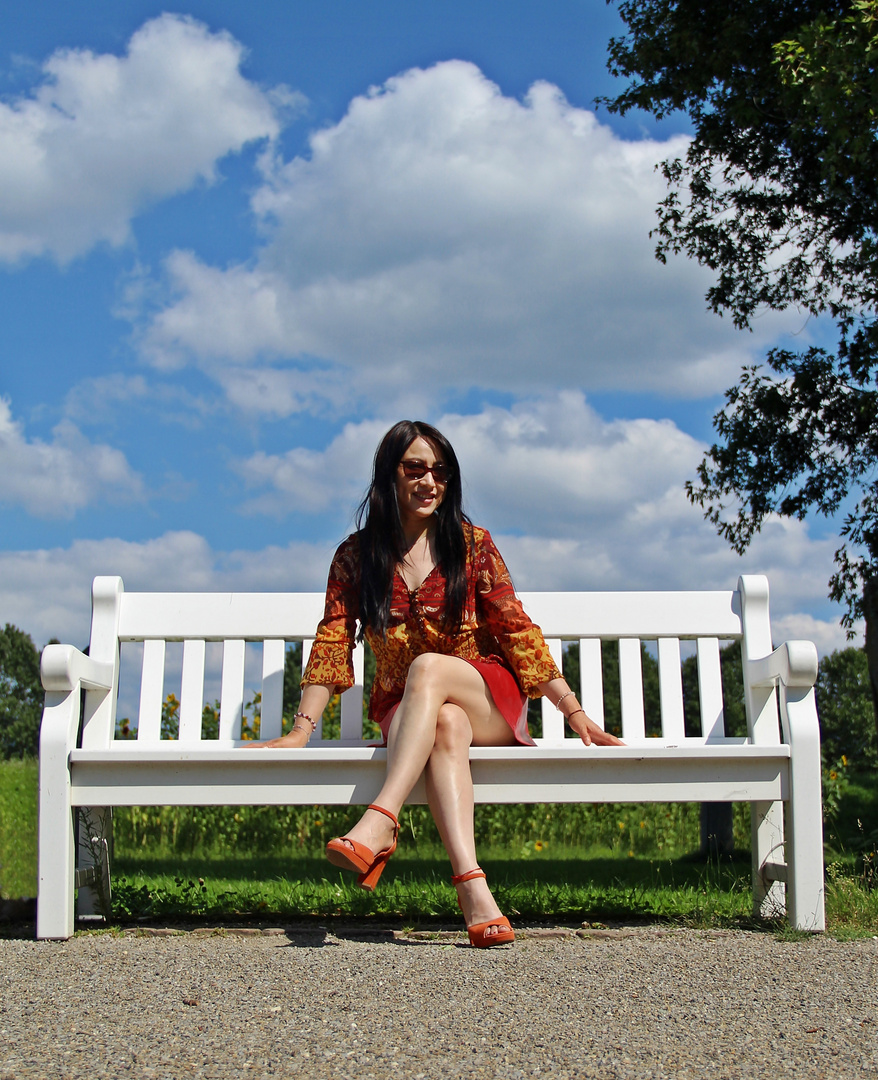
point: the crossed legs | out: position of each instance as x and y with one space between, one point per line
446 708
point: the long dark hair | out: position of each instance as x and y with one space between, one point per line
382 540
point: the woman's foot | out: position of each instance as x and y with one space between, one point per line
375 830
484 921
367 847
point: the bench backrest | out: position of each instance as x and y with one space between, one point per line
272 620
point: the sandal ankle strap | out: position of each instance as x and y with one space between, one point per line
386 813
459 879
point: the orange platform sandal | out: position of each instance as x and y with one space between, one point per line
352 855
479 938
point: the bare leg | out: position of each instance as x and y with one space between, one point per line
450 795
449 688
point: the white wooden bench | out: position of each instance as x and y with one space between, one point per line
776 767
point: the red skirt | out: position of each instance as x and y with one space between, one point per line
504 689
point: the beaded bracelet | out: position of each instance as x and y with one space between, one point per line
305 716
561 698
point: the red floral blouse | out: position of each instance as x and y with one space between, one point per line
495 628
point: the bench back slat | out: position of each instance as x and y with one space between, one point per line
553 721
217 616
271 709
631 689
292 616
232 691
648 615
710 688
192 690
671 688
352 702
152 682
591 688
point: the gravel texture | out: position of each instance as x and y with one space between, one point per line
314 1003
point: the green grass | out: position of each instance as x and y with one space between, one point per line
663 830
570 863
18 828
564 884
851 843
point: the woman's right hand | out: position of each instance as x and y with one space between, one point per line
296 738
313 702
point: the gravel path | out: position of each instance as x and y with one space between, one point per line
631 1002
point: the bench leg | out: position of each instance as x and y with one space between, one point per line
767 847
805 884
93 861
56 820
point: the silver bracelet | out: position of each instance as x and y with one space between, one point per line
561 698
301 727
305 716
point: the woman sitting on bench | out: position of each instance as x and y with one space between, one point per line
456 656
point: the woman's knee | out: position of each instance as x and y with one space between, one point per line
427 672
453 729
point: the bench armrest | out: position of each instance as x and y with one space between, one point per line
64 668
793 664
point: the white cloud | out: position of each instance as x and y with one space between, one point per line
57 478
553 466
443 232
826 635
310 481
107 401
105 136
278 393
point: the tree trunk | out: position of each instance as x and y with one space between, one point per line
870 611
717 835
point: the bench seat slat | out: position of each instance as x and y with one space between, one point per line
569 749
500 774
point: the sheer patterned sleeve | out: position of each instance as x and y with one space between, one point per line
330 662
520 640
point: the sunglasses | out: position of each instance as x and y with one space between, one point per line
415 469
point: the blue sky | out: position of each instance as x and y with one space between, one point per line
238 241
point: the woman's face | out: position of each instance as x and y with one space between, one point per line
420 497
